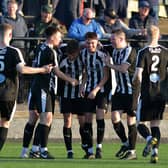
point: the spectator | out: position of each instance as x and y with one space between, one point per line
67 10
84 24
154 11
120 7
17 21
142 20
40 24
19 30
111 22
45 20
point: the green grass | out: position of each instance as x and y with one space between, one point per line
9 158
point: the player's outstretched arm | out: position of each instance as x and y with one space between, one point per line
65 77
31 70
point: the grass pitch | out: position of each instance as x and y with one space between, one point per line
9 158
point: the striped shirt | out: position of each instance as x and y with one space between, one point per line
73 69
124 80
94 67
45 55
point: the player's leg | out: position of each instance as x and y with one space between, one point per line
120 131
101 101
81 120
100 131
7 109
67 133
132 136
46 109
146 134
89 108
88 133
155 130
28 132
44 129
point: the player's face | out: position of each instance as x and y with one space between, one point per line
8 35
56 39
46 17
73 56
91 44
114 40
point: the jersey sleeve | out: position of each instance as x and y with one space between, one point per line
18 56
128 56
140 59
55 60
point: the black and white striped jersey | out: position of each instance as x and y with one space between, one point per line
74 69
45 55
94 67
154 62
125 55
10 57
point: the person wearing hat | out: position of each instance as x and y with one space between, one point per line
45 20
111 22
154 7
142 20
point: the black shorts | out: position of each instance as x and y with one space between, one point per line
7 109
123 102
74 106
100 102
150 110
41 100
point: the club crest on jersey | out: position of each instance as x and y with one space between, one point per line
154 77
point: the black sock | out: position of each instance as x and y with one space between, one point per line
67 133
120 130
143 130
81 131
132 136
156 134
28 133
36 140
3 136
100 130
43 135
88 132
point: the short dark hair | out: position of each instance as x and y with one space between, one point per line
13 1
51 30
91 35
72 46
120 32
4 27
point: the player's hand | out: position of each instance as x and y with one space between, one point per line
107 61
92 94
82 91
74 82
47 68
